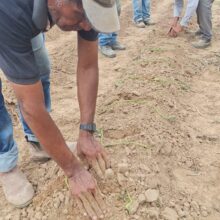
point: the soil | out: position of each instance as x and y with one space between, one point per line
158 114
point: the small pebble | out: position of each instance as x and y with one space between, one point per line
195 206
123 167
109 174
121 179
65 211
204 213
152 195
57 203
134 207
169 214
153 213
61 197
141 199
38 216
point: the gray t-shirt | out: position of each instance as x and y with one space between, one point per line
16 31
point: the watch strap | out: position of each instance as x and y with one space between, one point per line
91 127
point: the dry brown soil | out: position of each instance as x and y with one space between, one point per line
158 115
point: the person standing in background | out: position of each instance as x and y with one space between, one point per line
108 43
177 26
204 20
204 15
141 10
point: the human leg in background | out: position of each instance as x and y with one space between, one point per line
105 41
43 62
108 42
18 191
204 18
8 146
137 13
146 12
21 193
116 45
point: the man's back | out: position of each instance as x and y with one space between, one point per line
16 25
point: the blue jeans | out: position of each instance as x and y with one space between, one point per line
110 39
141 10
107 39
8 146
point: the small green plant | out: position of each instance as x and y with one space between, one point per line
100 134
126 198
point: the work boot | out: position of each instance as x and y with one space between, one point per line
107 51
149 22
37 154
197 33
17 189
201 43
139 24
118 46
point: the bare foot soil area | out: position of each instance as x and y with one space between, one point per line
158 115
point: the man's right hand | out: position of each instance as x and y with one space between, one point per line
81 183
84 189
172 32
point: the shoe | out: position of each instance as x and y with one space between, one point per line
107 51
17 189
118 46
149 22
197 33
201 43
37 154
139 24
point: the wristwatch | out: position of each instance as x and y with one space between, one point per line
88 127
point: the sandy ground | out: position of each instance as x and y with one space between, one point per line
158 115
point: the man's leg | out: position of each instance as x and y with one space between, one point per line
137 11
204 19
9 173
8 147
105 41
114 38
42 60
116 45
146 10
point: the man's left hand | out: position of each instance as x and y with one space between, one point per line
91 151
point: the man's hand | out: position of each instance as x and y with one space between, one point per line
91 151
84 189
172 32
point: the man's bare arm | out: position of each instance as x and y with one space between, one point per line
31 101
87 79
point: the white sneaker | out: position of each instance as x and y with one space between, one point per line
17 189
139 24
37 154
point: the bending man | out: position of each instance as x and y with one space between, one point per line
20 22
